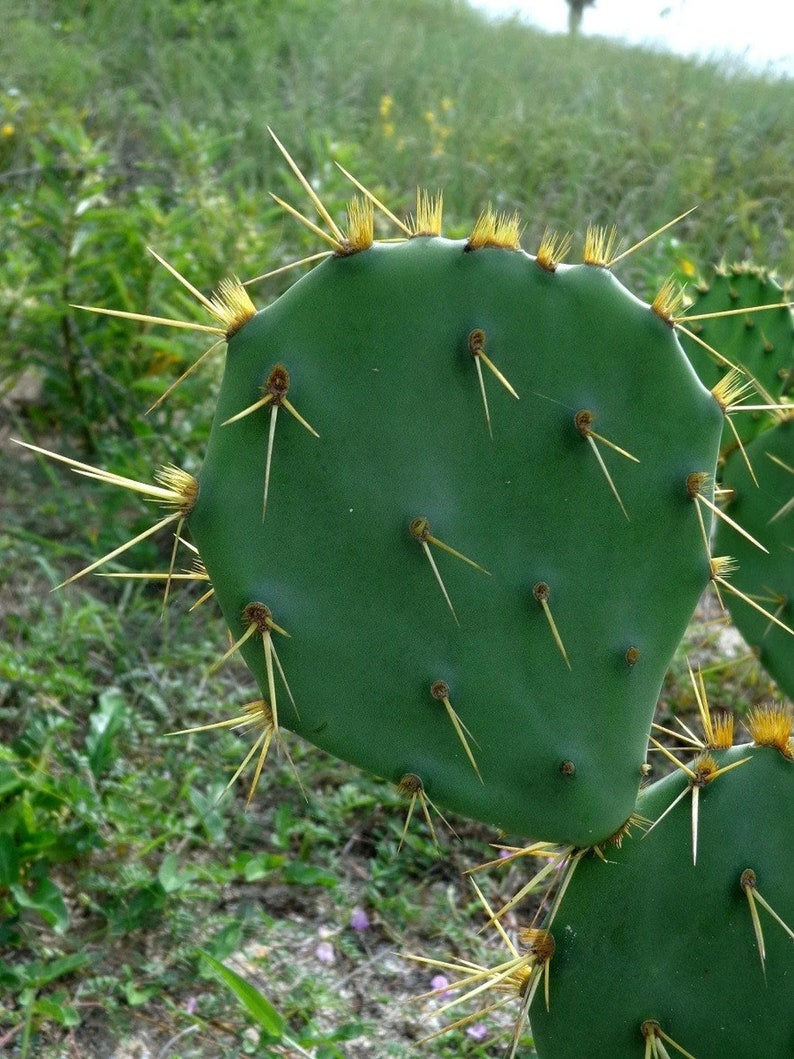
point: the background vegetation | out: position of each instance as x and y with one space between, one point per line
129 125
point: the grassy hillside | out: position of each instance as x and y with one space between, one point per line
136 124
424 91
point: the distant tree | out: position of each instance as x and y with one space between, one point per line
575 9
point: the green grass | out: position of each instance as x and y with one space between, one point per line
123 126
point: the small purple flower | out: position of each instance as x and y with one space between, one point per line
478 1031
441 982
359 920
325 952
191 1005
504 854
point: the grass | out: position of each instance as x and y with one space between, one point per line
145 125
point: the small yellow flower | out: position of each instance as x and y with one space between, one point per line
688 267
446 104
387 129
7 131
385 108
429 117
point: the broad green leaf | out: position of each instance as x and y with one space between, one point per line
258 1006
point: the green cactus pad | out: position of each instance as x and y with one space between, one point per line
647 936
405 545
767 512
761 343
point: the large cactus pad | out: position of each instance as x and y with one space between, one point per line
765 507
481 594
655 948
752 327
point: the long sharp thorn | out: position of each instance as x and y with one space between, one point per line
155 491
461 731
789 504
531 885
570 869
185 283
375 201
280 667
648 238
185 375
780 463
335 243
249 632
265 739
122 548
144 318
493 979
408 816
269 457
271 680
613 446
283 677
752 603
286 268
242 766
268 397
726 518
152 575
465 1021
423 800
606 474
757 928
695 807
555 632
318 205
765 904
691 739
434 568
709 349
170 577
742 449
458 555
109 478
293 412
203 599
678 1048
738 312
483 394
669 808
495 921
699 689
521 1018
233 722
671 757
493 368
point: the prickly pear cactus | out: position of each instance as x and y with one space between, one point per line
453 509
751 335
481 593
665 950
766 510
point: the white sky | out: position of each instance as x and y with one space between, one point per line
759 31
